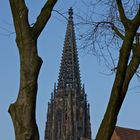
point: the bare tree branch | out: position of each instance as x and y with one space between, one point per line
61 14
131 69
20 16
112 25
43 18
123 17
136 20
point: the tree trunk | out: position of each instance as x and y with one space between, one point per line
124 74
23 111
115 102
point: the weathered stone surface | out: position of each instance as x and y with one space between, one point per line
84 138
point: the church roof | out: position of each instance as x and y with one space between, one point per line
69 74
121 133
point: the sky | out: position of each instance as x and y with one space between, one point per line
50 45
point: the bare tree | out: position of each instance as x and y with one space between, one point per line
120 23
23 110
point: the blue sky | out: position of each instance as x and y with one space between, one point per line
50 45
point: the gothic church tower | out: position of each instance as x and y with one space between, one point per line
68 116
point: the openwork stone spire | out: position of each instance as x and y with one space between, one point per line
68 116
69 75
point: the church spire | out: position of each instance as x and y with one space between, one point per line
69 75
68 110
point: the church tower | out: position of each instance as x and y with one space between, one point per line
68 116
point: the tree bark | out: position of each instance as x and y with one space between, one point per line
23 111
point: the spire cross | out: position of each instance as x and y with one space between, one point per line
70 13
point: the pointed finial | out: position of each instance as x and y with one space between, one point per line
52 96
70 13
88 106
88 109
83 89
54 87
85 97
